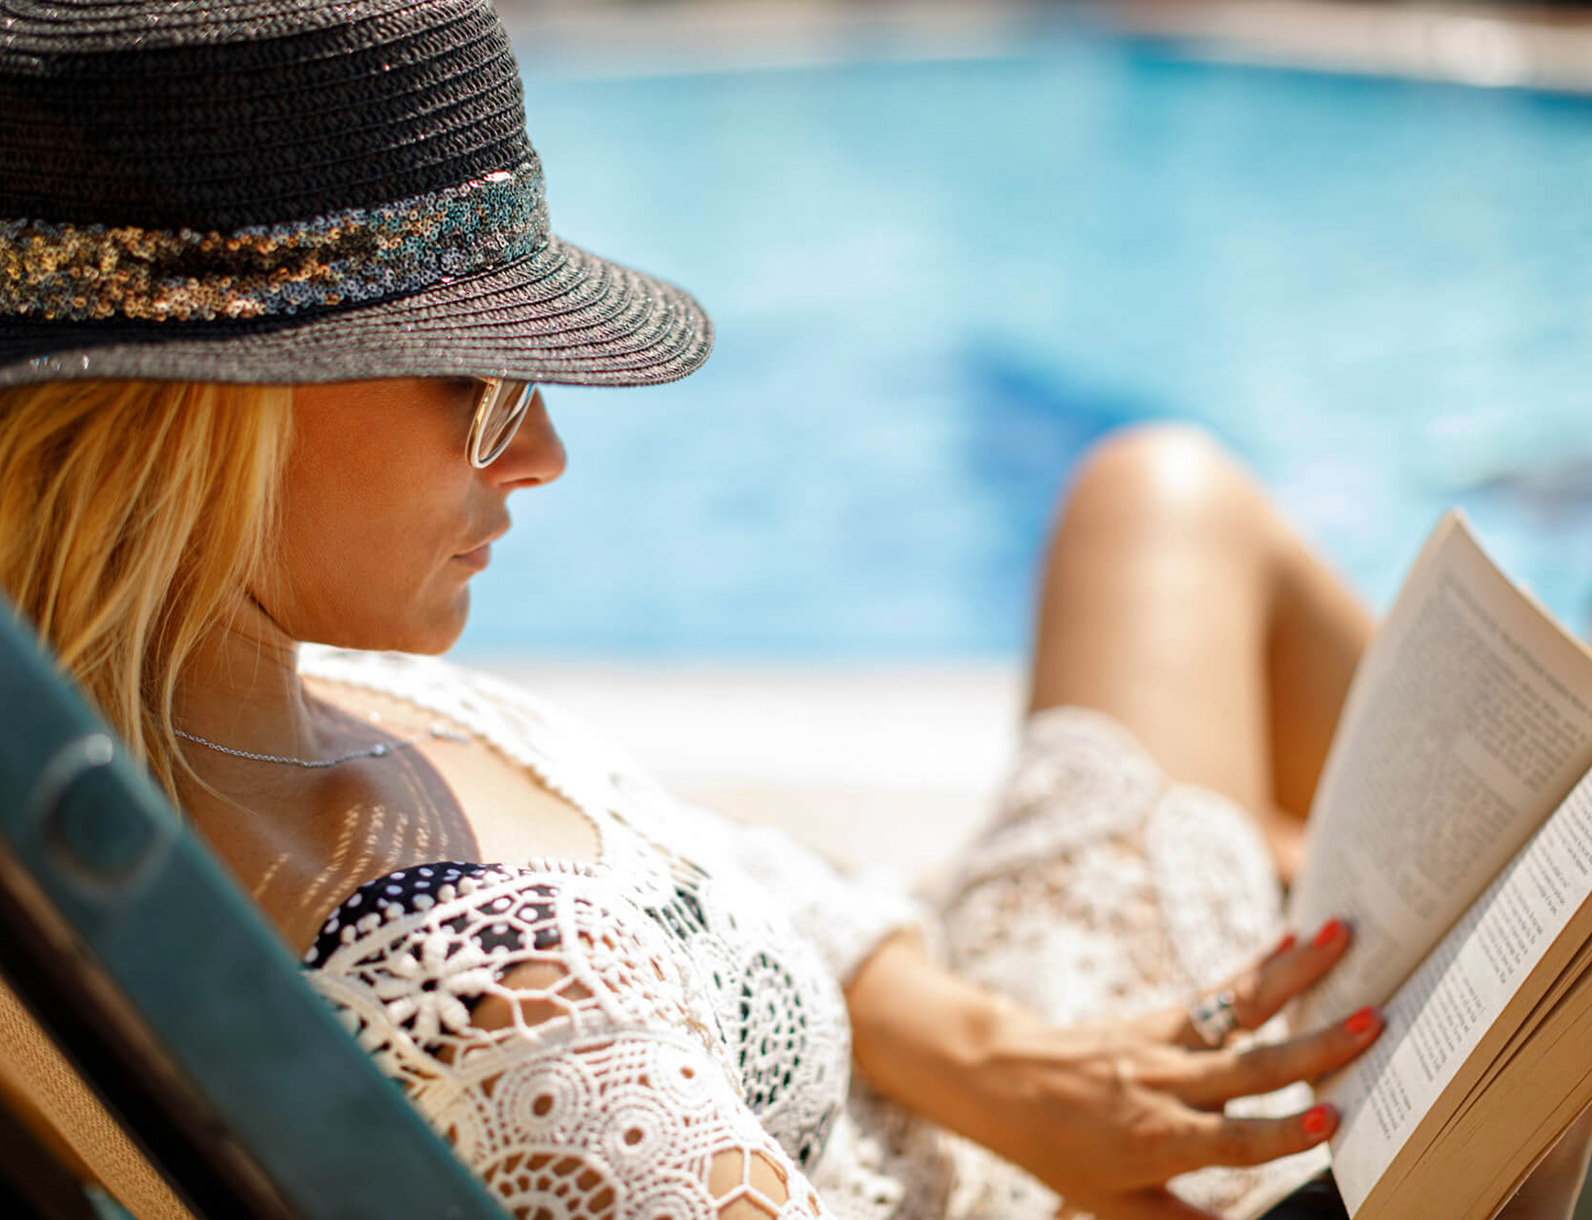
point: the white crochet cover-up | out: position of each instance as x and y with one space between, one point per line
674 1036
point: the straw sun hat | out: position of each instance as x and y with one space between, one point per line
295 190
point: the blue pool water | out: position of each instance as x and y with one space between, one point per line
936 282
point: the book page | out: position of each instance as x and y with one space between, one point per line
1442 1012
1469 719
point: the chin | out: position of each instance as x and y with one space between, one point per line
436 645
445 632
424 635
432 639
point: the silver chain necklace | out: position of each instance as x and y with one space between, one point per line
379 750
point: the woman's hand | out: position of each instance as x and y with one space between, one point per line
1103 1114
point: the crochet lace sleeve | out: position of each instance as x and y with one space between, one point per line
546 1026
845 918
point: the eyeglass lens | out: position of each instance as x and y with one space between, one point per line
498 418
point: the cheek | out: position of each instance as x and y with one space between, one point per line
362 556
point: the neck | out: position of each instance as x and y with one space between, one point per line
241 688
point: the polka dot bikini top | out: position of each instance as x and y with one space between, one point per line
412 890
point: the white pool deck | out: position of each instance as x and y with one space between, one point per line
883 769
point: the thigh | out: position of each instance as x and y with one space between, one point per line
1176 600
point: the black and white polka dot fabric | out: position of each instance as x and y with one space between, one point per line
419 889
404 891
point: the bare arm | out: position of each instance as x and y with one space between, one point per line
1103 1114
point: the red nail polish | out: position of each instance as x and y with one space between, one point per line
1286 943
1328 933
1361 1022
1317 1120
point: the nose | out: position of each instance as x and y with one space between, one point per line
535 456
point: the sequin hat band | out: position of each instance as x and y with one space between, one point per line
82 272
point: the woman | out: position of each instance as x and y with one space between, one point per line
270 351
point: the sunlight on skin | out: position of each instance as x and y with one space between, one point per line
383 524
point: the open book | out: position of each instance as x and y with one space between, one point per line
1453 825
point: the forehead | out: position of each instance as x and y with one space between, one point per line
393 392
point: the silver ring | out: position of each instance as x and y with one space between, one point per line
1214 1017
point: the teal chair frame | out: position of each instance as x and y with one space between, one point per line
175 1000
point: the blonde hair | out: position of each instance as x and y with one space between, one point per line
133 515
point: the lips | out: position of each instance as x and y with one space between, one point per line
478 558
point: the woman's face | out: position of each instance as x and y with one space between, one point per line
384 521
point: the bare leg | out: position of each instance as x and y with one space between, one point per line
1177 600
1551 1191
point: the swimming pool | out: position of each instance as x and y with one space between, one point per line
936 282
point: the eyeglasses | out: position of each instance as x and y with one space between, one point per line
498 413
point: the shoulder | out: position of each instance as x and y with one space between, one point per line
501 711
432 681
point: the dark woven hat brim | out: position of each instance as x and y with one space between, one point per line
560 316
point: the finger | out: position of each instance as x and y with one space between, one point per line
1217 1139
1291 972
1291 968
1288 941
1217 1077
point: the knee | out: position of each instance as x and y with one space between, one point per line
1162 473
